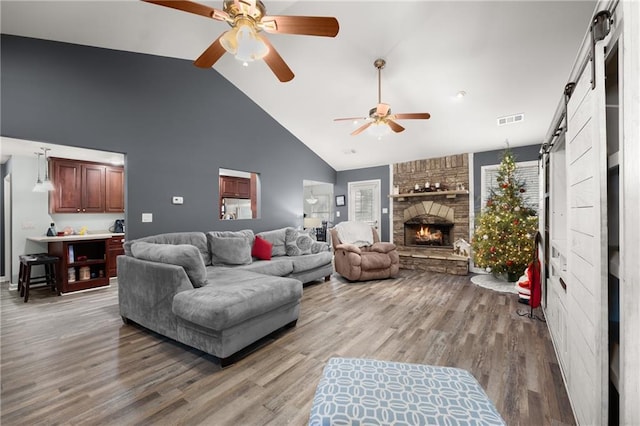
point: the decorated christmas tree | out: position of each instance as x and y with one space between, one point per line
503 241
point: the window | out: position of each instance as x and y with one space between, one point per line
364 202
526 173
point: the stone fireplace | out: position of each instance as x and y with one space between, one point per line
427 222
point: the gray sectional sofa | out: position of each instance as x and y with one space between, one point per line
211 292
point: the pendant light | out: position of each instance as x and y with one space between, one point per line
38 187
47 184
312 200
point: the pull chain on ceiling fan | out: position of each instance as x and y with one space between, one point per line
247 18
381 114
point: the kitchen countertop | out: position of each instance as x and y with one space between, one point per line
45 239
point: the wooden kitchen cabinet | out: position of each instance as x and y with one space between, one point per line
86 187
92 186
114 190
235 187
115 248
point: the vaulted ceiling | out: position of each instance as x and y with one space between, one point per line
510 57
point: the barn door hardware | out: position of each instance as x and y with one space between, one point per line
600 28
568 91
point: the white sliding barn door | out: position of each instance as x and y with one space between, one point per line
587 331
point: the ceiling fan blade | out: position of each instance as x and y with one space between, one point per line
211 55
276 63
411 116
395 126
361 128
382 109
303 25
192 7
349 118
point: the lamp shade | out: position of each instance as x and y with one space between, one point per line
312 222
47 185
39 187
378 130
243 42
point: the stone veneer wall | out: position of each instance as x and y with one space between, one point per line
449 171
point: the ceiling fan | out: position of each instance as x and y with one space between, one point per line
247 18
381 114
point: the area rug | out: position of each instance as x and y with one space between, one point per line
493 283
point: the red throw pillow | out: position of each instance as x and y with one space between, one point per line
261 249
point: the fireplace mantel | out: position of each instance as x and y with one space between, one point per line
449 194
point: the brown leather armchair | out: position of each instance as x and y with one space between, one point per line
371 262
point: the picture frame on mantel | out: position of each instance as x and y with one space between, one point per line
340 200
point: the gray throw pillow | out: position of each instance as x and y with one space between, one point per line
230 250
197 239
185 255
319 246
298 242
277 238
218 253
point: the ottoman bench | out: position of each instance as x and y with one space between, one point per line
369 392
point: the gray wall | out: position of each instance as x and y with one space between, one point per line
488 158
176 123
369 173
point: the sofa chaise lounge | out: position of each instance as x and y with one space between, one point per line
211 292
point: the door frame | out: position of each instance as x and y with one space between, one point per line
7 228
377 208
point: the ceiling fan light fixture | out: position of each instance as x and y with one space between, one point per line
378 130
247 18
243 42
381 121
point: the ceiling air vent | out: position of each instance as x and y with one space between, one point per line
510 119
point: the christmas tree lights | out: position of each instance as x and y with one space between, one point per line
503 241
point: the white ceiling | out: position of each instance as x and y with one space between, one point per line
508 56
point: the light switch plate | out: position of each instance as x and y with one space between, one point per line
337 214
385 210
177 200
147 217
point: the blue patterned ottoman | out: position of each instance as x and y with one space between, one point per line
369 392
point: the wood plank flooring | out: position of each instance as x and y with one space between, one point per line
71 360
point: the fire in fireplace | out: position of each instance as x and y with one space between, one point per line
430 236
427 234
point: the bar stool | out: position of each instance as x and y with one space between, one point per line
25 279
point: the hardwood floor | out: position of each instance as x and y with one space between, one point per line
71 360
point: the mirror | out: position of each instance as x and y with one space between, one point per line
239 194
317 206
